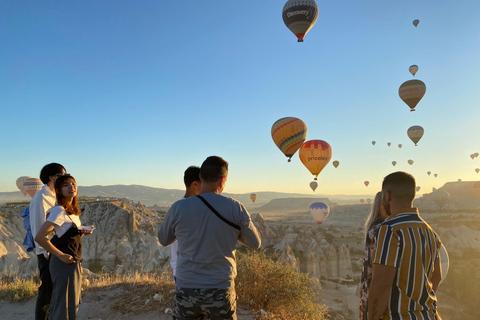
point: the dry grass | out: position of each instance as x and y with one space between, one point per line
285 294
18 289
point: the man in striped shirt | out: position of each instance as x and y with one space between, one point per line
406 259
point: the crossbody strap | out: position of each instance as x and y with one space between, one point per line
231 224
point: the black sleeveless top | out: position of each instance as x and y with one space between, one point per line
70 242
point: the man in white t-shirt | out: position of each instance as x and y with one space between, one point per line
191 178
43 201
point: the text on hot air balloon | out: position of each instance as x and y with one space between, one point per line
295 13
409 89
317 158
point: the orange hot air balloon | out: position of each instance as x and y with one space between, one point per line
361 201
411 92
366 183
253 197
389 144
32 186
335 163
315 155
20 182
289 134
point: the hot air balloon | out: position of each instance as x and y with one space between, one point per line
416 22
315 155
400 146
361 201
289 134
472 156
440 197
476 154
477 170
335 163
415 133
373 142
20 182
366 183
369 200
410 162
429 172
313 185
299 16
394 163
411 92
389 144
435 175
319 211
32 186
413 69
253 197
444 262
417 188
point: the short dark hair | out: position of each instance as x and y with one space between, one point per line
49 170
400 184
191 174
213 168
70 208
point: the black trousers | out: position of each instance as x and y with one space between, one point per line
45 289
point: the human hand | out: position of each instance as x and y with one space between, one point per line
87 230
66 258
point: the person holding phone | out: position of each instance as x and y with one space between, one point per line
65 249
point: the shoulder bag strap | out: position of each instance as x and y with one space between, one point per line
218 214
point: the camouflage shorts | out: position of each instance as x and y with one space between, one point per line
199 304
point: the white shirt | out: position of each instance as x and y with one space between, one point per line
43 201
62 220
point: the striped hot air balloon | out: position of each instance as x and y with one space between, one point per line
415 133
315 155
319 211
289 134
20 182
411 92
32 186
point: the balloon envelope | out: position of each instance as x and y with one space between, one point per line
389 144
413 69
313 185
411 92
417 188
366 183
400 146
410 162
289 134
394 163
472 156
416 22
435 175
315 155
299 16
319 211
335 163
32 186
429 172
369 200
415 133
477 170
440 197
20 182
373 142
253 197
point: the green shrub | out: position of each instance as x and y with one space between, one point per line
277 288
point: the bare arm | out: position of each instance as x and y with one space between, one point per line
42 240
437 275
379 291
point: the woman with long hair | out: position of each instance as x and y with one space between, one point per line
65 249
374 219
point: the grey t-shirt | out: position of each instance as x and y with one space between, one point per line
206 244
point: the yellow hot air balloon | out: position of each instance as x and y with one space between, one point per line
416 22
413 69
411 92
20 182
253 197
335 163
313 185
299 16
415 133
389 144
400 146
289 134
315 155
394 163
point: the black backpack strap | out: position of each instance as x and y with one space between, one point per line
231 224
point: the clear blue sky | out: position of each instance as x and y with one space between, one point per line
133 92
